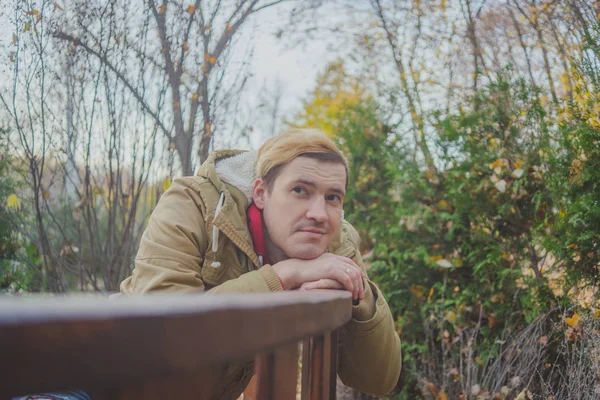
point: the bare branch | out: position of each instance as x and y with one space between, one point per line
119 75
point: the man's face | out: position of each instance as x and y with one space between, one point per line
303 210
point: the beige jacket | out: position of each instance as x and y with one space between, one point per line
189 247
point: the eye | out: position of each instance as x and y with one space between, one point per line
334 198
299 190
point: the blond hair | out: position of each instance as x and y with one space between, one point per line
285 147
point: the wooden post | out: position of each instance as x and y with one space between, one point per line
250 391
276 374
319 367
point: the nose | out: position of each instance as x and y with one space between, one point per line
317 210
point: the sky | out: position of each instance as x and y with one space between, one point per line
293 69
275 62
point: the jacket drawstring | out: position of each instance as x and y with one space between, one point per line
215 235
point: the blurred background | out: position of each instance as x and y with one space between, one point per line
472 129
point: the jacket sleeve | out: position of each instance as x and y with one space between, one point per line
173 245
370 356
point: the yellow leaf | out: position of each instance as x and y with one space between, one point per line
162 9
444 205
207 129
13 202
431 291
166 184
479 361
46 195
436 258
185 46
27 26
212 60
498 163
195 96
442 396
190 9
418 290
573 320
519 164
596 314
450 317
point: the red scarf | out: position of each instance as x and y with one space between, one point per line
255 225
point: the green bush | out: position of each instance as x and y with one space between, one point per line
461 251
575 236
19 258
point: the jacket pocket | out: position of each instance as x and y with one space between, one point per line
227 263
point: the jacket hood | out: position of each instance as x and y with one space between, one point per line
234 167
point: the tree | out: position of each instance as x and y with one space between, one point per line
83 186
178 61
94 90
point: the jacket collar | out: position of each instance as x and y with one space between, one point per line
231 218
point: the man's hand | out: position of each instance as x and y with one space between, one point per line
327 271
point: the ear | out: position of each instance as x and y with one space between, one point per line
259 191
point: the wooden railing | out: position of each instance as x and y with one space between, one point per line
162 347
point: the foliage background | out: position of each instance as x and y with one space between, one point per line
472 130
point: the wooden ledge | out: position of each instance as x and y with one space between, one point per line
50 344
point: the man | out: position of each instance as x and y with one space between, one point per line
266 223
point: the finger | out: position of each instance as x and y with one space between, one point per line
356 276
330 284
361 286
358 284
342 277
350 261
350 270
324 284
351 273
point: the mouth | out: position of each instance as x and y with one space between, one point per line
313 233
320 231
